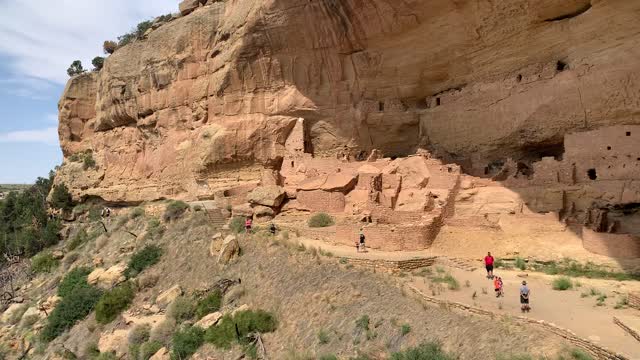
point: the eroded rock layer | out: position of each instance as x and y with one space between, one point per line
208 100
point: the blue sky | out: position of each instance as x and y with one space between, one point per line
38 41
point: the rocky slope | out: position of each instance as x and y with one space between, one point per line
211 97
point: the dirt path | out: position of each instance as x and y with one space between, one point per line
569 309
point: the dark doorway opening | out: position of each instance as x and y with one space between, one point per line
591 173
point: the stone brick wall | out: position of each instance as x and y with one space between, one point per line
391 265
634 300
592 349
320 200
388 237
624 327
613 245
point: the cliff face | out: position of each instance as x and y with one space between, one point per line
210 98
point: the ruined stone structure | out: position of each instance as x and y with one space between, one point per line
541 96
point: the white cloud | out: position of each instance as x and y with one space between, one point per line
48 136
40 38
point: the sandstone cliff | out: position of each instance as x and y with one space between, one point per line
209 99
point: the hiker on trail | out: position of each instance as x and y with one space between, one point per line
247 224
497 284
360 244
524 297
488 264
106 214
273 229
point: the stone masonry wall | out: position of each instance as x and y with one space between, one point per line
634 300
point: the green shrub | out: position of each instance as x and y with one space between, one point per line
75 68
148 349
181 309
211 303
139 334
114 302
186 342
137 212
95 214
245 322
452 283
562 283
98 63
78 239
320 220
521 264
111 355
72 308
109 47
236 225
323 337
363 322
328 357
425 351
75 279
577 354
175 210
61 198
148 256
405 329
154 229
163 332
43 262
88 162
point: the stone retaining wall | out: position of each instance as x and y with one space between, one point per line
624 327
592 349
634 300
392 265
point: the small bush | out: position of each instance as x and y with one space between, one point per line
72 308
405 329
186 342
452 283
61 198
600 301
323 337
98 63
320 220
139 334
245 322
43 262
521 264
237 224
75 68
577 354
148 349
623 302
211 303
175 210
562 283
147 281
328 357
109 47
163 332
137 212
426 351
154 229
75 279
113 302
88 162
77 240
363 322
148 256
181 309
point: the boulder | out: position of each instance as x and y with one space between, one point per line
209 320
341 182
50 304
58 254
14 311
230 248
271 195
271 177
115 341
414 170
188 6
109 278
263 212
162 354
243 307
163 300
242 210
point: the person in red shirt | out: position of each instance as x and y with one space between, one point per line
488 264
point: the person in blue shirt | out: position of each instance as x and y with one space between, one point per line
524 297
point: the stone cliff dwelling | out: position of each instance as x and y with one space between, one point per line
408 123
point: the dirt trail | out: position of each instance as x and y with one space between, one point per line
563 308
